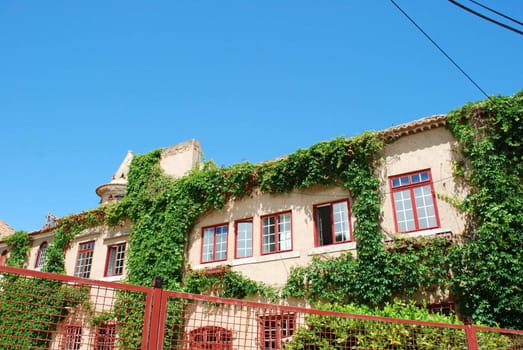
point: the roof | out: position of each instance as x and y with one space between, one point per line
416 126
5 229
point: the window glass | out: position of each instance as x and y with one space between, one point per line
243 239
276 232
214 245
115 260
414 202
332 223
84 259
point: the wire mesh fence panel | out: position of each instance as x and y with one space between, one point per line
46 311
41 312
197 322
502 339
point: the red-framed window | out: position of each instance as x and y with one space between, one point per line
214 243
3 258
243 239
115 260
105 337
414 201
72 337
275 330
84 259
443 308
210 338
276 233
332 223
40 257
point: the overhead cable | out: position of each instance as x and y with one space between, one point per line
440 49
497 12
486 18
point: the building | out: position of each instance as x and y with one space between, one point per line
264 235
5 230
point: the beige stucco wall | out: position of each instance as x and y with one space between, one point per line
103 238
270 268
432 149
177 160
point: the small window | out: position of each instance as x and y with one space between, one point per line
211 338
40 258
3 258
276 231
84 259
214 243
105 337
444 308
115 260
243 239
72 339
275 330
414 201
332 223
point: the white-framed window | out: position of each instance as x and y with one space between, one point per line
115 260
332 223
214 243
276 233
414 201
243 239
84 259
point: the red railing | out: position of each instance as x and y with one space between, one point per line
47 311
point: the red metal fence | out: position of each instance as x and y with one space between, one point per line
47 311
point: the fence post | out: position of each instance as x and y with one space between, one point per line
470 331
155 343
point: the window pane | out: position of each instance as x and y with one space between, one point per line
284 230
221 243
341 221
208 244
404 212
244 239
425 207
112 258
269 234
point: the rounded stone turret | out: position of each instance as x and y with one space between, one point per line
115 189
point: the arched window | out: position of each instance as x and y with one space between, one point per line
40 258
211 338
3 258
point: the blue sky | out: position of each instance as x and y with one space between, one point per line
83 82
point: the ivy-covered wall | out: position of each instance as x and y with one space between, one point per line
484 273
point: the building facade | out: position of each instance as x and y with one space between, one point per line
264 235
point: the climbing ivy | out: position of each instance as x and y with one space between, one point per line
164 210
411 267
489 269
229 284
19 245
485 272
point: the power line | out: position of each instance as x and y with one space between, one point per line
486 18
440 49
497 12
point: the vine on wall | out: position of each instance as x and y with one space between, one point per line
489 268
487 272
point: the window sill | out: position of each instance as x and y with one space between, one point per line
332 248
435 232
112 278
251 260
